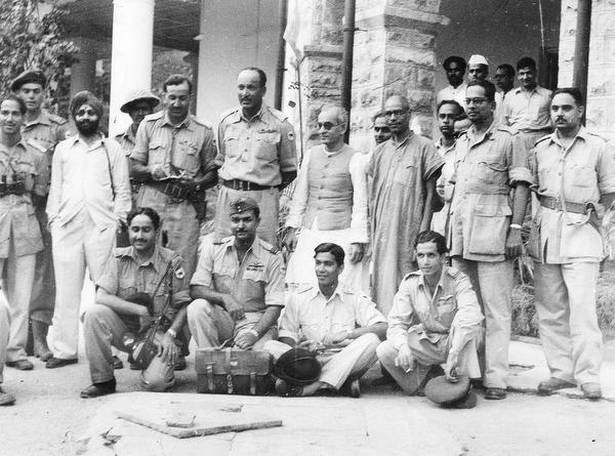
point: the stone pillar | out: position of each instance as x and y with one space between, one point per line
394 54
600 85
83 71
131 54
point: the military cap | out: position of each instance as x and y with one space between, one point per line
35 76
242 205
139 95
298 367
445 393
478 59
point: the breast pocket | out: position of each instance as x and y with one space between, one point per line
267 146
188 156
156 152
232 146
405 175
447 308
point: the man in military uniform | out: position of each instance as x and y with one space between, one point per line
485 234
256 155
238 287
575 182
143 268
41 130
138 104
174 159
342 326
435 319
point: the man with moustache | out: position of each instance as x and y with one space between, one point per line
151 271
88 201
23 178
404 171
491 193
41 130
526 108
174 160
238 287
575 183
256 155
449 111
455 68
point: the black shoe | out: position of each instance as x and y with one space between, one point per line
117 363
495 394
53 363
180 364
283 389
99 389
21 364
6 398
549 386
351 388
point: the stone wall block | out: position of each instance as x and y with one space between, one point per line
421 100
399 54
410 37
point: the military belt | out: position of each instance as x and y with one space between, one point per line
245 186
173 190
12 189
554 203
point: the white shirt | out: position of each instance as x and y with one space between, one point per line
81 178
451 93
308 315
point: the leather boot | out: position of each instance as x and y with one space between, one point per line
39 336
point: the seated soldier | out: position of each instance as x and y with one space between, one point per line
141 293
435 319
341 325
5 398
238 286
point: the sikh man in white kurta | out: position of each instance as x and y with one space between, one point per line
329 205
88 199
340 325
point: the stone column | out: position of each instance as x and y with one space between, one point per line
131 55
394 54
83 71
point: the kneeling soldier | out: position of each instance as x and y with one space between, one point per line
341 325
238 286
143 270
435 319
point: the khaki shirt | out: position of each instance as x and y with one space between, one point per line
44 132
189 148
528 111
487 167
453 310
123 277
308 315
18 224
126 140
582 173
257 150
256 282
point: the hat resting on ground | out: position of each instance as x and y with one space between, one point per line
445 393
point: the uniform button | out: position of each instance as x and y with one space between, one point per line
559 174
245 150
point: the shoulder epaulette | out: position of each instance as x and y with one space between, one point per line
269 248
200 122
227 113
277 114
153 117
222 241
412 274
507 129
305 287
57 119
591 133
542 139
119 252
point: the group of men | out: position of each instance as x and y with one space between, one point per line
348 210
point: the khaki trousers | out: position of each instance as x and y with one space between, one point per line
493 284
567 321
211 325
18 289
268 203
351 362
103 329
76 245
428 354
4 333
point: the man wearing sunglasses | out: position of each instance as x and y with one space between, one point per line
329 204
404 171
485 226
